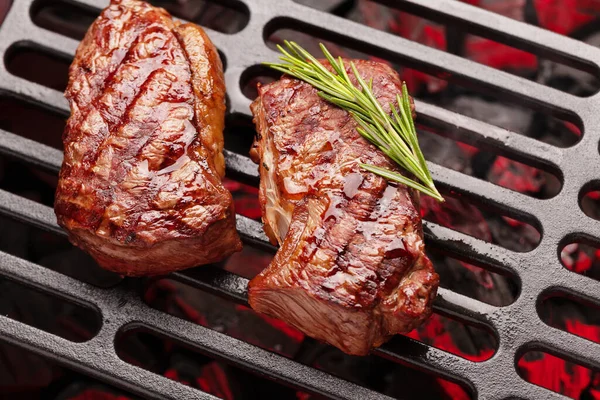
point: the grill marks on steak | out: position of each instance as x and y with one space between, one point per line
140 186
351 269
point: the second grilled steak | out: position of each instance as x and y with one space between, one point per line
140 185
351 269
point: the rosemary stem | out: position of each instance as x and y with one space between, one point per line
392 132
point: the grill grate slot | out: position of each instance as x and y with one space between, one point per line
546 361
35 305
518 325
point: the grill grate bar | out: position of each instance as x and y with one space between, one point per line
461 244
28 211
403 349
30 151
517 326
122 308
49 40
572 284
33 92
49 281
75 356
241 166
223 283
250 230
464 308
481 134
576 348
209 278
406 350
474 130
216 281
505 198
509 31
418 55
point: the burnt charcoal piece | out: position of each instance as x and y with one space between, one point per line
140 186
351 270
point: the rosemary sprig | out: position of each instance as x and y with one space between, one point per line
393 134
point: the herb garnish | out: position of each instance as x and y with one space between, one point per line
394 134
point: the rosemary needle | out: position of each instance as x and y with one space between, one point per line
394 133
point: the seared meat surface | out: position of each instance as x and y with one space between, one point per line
140 186
351 268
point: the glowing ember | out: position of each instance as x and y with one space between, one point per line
177 363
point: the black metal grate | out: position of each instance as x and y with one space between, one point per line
517 326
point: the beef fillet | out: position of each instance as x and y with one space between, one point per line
351 268
140 186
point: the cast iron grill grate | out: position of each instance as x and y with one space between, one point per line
518 326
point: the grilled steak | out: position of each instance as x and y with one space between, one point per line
140 186
351 268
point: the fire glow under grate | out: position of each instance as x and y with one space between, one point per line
517 326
